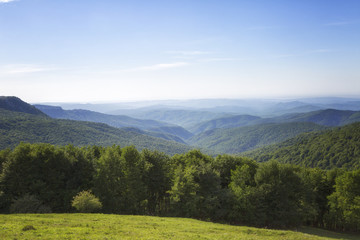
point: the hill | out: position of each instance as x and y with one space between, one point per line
16 127
107 226
236 140
328 117
338 147
119 121
182 117
17 105
225 122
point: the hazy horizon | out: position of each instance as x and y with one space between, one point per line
126 51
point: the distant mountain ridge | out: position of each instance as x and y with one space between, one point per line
162 129
240 139
17 126
327 117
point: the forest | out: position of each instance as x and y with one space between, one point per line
44 178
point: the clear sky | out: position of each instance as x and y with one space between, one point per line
83 51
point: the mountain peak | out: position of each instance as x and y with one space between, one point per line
15 104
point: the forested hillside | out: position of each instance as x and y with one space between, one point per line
16 127
328 117
338 147
236 140
119 121
182 117
225 122
17 105
42 178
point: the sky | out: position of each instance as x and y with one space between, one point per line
128 50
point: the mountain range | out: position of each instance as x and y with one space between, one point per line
176 129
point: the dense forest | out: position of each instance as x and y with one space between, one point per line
338 147
45 178
241 139
34 128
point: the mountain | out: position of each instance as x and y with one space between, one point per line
173 130
337 147
18 126
225 122
328 117
182 117
236 140
164 130
17 105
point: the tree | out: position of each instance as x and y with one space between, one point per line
157 179
108 181
196 186
270 197
345 202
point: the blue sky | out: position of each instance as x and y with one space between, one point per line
83 51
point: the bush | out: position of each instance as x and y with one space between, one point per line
86 202
29 204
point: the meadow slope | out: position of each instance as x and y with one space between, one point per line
101 226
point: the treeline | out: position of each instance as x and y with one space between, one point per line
226 188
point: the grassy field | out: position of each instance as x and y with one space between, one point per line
101 226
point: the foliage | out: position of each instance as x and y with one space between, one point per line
16 127
345 202
29 204
226 188
86 202
338 147
160 129
240 139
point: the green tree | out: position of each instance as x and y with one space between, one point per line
345 202
158 181
196 186
108 182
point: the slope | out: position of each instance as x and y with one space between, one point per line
182 117
225 122
338 147
97 226
236 140
15 104
328 117
119 121
16 127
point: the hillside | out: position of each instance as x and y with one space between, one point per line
16 127
236 140
17 105
225 122
182 117
338 147
328 117
106 226
119 121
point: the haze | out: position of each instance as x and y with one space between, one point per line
77 51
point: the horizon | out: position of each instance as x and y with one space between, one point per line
126 51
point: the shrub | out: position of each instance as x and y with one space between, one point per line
86 202
29 204
28 227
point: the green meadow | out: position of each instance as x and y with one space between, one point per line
102 226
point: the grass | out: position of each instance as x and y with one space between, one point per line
101 226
